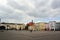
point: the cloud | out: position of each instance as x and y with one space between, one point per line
26 10
44 10
5 9
20 6
41 9
56 4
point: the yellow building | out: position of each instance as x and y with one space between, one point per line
40 26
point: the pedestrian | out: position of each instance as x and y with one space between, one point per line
30 30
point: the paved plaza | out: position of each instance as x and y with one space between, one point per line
27 35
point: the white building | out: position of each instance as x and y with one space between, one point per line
52 25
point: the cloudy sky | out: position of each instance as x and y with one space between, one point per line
23 11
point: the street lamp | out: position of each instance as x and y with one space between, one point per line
0 21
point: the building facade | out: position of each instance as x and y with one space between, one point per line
52 25
57 26
47 27
40 26
13 26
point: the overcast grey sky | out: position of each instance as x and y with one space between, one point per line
23 11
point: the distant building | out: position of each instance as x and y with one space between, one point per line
52 25
37 26
13 26
57 26
30 26
47 26
40 26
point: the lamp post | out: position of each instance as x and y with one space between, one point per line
0 21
